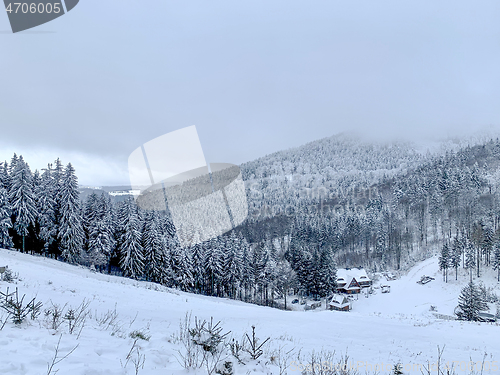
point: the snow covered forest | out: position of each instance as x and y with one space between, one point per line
336 202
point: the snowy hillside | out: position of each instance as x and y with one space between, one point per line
383 328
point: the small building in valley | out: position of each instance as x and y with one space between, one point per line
339 302
351 280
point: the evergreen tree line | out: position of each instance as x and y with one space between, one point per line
41 213
448 198
473 251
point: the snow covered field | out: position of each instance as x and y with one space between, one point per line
382 329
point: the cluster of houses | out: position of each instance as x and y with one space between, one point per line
349 281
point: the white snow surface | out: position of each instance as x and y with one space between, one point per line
381 329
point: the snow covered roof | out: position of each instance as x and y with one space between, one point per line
339 300
353 285
345 275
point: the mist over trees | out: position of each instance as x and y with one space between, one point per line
331 203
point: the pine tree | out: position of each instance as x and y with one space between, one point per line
397 369
23 199
496 260
470 303
131 251
305 272
478 240
181 268
444 261
286 278
57 176
456 253
246 269
470 258
4 176
90 213
232 265
5 222
154 249
37 180
70 231
45 206
487 244
170 243
197 259
13 163
108 223
269 271
257 266
213 266
99 246
326 274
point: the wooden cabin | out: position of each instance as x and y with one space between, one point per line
339 302
352 280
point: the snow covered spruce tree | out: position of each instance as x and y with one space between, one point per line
444 261
213 267
131 251
181 266
57 176
45 203
470 258
286 279
22 198
326 274
70 231
5 221
4 176
13 163
470 303
198 260
456 253
90 212
100 245
232 265
154 248
108 222
496 259
246 270
99 228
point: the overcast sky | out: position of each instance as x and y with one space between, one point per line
254 76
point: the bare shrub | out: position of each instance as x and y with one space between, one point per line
4 319
135 356
76 317
109 321
324 363
237 350
57 359
281 358
54 316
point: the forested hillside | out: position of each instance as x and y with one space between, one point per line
332 203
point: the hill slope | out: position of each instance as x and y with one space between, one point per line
388 328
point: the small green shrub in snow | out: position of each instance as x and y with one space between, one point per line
142 335
17 309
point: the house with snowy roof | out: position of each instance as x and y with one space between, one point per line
352 280
339 302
